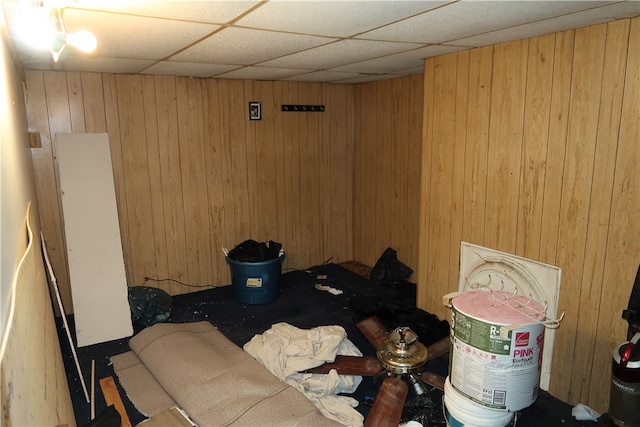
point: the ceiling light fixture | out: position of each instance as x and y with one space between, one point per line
42 27
83 40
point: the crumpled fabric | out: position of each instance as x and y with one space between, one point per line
286 351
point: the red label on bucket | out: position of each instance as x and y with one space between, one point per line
522 339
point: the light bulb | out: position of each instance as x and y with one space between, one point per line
83 40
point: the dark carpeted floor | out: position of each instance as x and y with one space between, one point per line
300 305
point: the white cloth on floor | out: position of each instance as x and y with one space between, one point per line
286 351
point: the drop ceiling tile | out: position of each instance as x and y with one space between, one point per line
410 71
366 78
212 11
400 61
466 18
39 61
72 61
246 47
191 32
126 36
192 69
338 54
104 65
440 49
383 65
331 18
323 76
259 73
588 17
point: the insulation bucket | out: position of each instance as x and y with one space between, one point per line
256 282
496 348
459 411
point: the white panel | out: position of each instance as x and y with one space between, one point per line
620 10
398 62
94 250
259 73
484 267
101 64
174 68
338 54
246 46
211 11
461 19
135 37
332 18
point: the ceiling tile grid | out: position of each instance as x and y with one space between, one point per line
305 40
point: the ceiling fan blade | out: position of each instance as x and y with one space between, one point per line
439 348
388 404
432 379
374 330
350 365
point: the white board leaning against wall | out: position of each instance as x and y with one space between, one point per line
482 267
92 232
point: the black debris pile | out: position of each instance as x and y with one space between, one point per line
425 409
395 311
149 305
252 251
110 417
390 270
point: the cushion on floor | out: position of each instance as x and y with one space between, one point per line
195 367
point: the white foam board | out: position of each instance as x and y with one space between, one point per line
92 232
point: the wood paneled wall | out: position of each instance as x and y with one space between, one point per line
194 174
33 384
527 147
532 147
388 130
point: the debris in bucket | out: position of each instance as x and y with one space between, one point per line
252 251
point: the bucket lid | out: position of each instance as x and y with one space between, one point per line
499 307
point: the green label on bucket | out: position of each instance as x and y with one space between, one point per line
478 334
254 282
492 371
